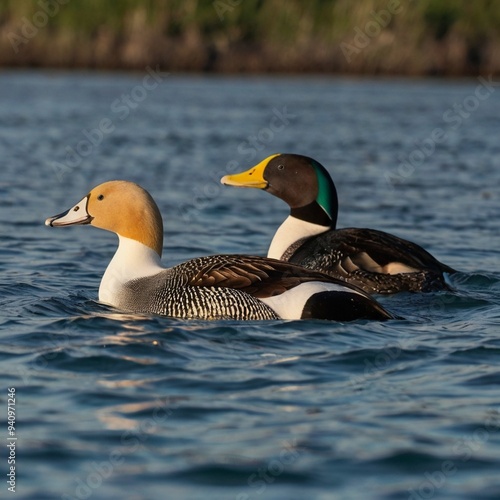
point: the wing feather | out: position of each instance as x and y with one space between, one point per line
258 276
368 250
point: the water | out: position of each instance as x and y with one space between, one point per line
113 405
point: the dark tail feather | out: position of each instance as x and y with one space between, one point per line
343 306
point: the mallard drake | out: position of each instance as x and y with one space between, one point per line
375 261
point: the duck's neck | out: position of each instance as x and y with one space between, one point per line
291 231
303 222
132 260
317 214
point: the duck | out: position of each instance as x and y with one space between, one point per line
373 260
239 287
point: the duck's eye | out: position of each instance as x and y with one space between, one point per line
100 197
281 167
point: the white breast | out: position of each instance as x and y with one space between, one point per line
132 260
289 232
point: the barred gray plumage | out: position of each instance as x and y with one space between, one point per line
213 287
230 286
168 294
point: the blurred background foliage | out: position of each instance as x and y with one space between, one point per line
419 37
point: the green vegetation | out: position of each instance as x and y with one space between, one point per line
449 37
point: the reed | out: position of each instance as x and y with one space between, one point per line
410 37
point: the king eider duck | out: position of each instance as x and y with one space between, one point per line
214 287
375 261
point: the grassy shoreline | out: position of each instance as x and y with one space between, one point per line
401 37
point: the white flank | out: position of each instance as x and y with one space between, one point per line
289 305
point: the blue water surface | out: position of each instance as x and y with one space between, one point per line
114 405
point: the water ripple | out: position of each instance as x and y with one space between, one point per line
116 405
